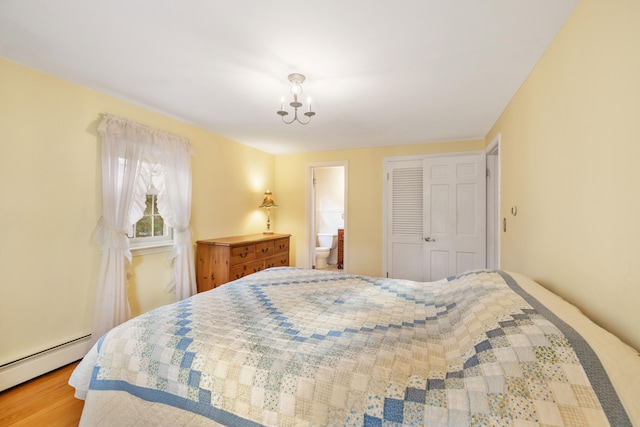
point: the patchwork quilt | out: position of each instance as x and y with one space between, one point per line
293 347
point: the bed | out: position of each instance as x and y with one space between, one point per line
296 347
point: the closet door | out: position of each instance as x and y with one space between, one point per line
436 216
455 215
405 219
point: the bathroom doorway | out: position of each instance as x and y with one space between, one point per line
327 215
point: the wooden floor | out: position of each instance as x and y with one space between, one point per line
44 401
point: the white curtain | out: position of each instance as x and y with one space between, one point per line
129 151
174 205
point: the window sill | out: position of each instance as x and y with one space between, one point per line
151 249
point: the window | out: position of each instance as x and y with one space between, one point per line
151 230
150 233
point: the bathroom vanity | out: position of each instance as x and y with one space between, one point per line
219 261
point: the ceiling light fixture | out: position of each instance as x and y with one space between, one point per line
296 90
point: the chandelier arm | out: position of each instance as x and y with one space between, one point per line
295 118
301 122
288 122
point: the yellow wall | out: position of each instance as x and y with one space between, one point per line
364 194
50 203
571 164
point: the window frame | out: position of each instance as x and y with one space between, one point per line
151 244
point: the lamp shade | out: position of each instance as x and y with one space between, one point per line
268 200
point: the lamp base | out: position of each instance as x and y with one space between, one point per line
267 232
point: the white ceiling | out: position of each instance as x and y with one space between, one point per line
379 72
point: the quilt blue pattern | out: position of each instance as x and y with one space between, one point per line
290 346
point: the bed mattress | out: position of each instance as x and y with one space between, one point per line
290 346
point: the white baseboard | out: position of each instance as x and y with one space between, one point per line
41 363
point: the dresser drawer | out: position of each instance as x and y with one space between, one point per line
281 245
239 271
281 260
242 254
264 250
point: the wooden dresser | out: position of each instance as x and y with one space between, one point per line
219 261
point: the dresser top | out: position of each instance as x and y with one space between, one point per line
250 238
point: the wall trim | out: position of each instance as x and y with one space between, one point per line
493 202
32 366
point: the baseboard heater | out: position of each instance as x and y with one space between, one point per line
34 365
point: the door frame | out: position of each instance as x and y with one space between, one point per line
385 195
310 208
493 202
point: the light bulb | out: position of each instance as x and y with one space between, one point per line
296 89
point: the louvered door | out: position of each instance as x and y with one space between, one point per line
405 220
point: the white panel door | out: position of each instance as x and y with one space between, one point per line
455 225
435 216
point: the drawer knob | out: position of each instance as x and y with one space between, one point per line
265 250
244 255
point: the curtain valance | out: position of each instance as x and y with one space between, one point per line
138 133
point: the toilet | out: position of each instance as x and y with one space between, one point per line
326 251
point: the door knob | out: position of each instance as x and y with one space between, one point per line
429 239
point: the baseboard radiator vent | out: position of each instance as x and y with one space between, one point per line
29 367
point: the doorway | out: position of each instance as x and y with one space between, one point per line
493 204
327 215
435 215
